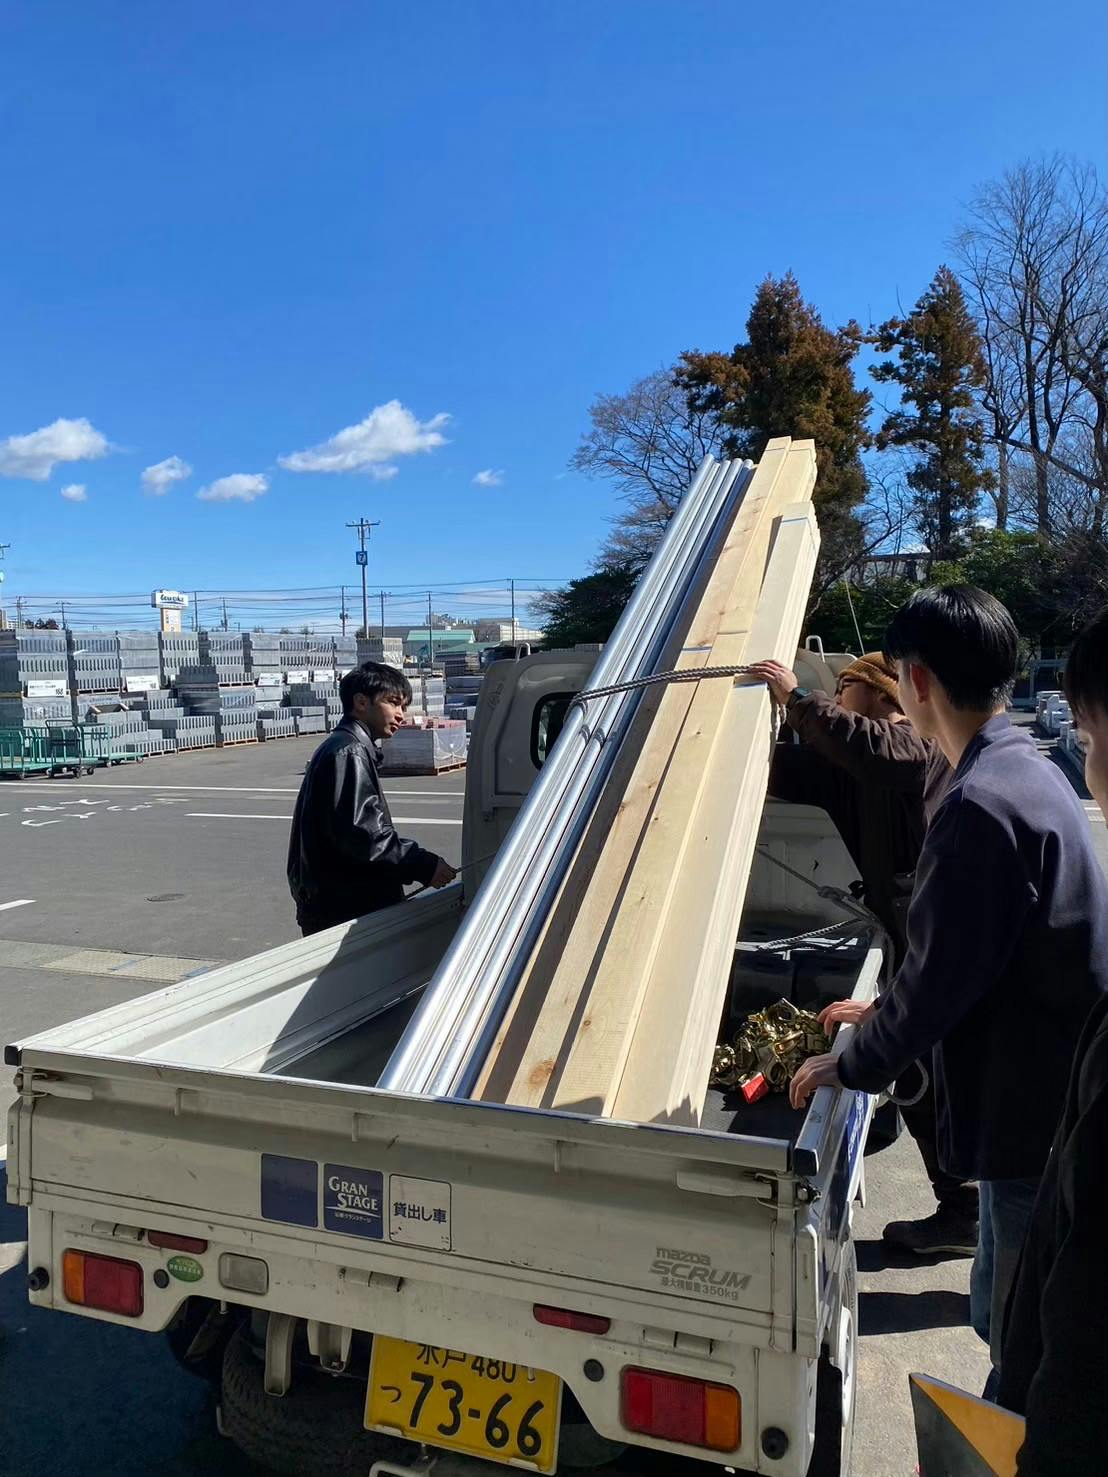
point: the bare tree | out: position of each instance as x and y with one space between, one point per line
650 444
1035 256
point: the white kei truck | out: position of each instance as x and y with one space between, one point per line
397 1284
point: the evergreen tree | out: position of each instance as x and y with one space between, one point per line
587 609
793 377
940 369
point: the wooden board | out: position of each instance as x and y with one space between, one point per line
543 1017
667 1066
567 1039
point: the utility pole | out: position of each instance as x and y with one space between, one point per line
343 611
430 631
513 585
382 616
362 559
3 618
195 610
225 612
64 627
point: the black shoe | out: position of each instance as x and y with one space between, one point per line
940 1234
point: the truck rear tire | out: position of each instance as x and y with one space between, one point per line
836 1387
831 1453
314 1431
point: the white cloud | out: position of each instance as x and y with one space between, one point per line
239 487
75 493
158 479
35 456
488 478
388 431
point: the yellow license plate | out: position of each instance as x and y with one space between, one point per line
484 1407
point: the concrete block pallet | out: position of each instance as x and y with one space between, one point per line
19 712
236 728
431 748
274 728
312 693
195 738
305 724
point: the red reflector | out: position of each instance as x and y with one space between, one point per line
105 1282
563 1318
754 1088
170 1242
675 1408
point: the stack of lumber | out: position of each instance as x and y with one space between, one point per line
618 1009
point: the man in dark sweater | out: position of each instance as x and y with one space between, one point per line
1007 933
862 761
345 858
1054 1359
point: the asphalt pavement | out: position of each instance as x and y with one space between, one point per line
112 885
145 873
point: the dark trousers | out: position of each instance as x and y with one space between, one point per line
955 1195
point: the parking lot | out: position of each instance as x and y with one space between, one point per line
139 876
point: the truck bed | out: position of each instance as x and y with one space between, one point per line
809 975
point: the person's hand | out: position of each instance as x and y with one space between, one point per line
817 1071
845 1013
443 875
777 678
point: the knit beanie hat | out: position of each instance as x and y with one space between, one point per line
876 671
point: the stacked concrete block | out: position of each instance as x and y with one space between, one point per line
237 726
432 695
224 651
177 649
432 747
311 693
295 657
461 663
139 660
189 731
33 664
262 654
93 661
389 650
274 727
29 711
346 654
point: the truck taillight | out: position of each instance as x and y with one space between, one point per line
168 1241
564 1318
105 1282
673 1407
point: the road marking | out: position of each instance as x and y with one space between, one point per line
11 1254
20 902
241 815
167 969
220 789
232 815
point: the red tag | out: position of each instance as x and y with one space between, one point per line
754 1088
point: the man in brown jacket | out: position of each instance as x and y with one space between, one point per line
862 761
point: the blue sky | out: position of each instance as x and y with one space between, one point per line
233 231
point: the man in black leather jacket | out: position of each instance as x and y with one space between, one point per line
345 858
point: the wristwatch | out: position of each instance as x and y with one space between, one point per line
797 695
